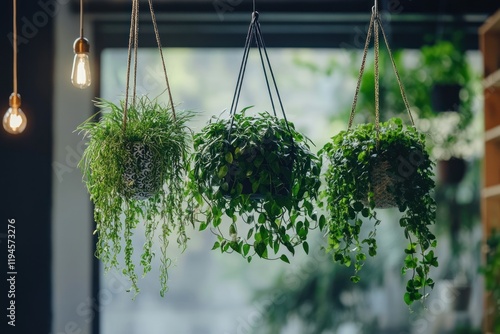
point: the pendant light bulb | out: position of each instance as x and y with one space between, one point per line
14 120
80 75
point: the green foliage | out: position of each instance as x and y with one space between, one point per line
491 272
103 165
442 63
446 63
350 198
261 169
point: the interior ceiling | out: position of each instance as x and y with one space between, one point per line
455 7
321 23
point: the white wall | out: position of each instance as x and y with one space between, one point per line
71 215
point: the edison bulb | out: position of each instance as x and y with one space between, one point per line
80 75
14 120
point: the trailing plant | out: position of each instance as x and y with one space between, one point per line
368 171
491 272
443 63
136 174
262 169
380 165
259 168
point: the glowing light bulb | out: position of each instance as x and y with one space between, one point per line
80 75
14 120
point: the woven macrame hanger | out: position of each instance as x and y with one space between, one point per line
133 45
374 27
255 33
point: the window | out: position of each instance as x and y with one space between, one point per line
212 293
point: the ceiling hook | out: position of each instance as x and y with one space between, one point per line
375 8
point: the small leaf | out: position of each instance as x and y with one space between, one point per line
284 258
296 188
246 249
261 249
250 233
362 157
223 171
355 279
258 237
229 157
262 218
237 151
232 230
408 299
305 245
365 212
322 222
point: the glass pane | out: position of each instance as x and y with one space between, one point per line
212 293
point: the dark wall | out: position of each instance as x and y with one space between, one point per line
328 23
25 169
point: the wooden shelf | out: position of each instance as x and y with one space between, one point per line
492 80
492 24
489 39
491 192
492 134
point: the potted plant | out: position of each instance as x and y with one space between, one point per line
372 169
134 168
447 71
260 168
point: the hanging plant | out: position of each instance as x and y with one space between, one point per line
380 165
363 176
137 173
260 168
135 167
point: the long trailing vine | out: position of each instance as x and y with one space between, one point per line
118 208
261 169
351 199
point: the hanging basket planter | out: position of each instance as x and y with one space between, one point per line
142 172
380 182
259 159
257 167
380 165
135 166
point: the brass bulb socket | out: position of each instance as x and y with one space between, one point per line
15 100
81 45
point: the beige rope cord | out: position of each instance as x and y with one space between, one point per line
157 35
374 26
133 43
380 179
132 37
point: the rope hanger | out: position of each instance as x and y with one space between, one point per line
374 26
133 44
255 34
